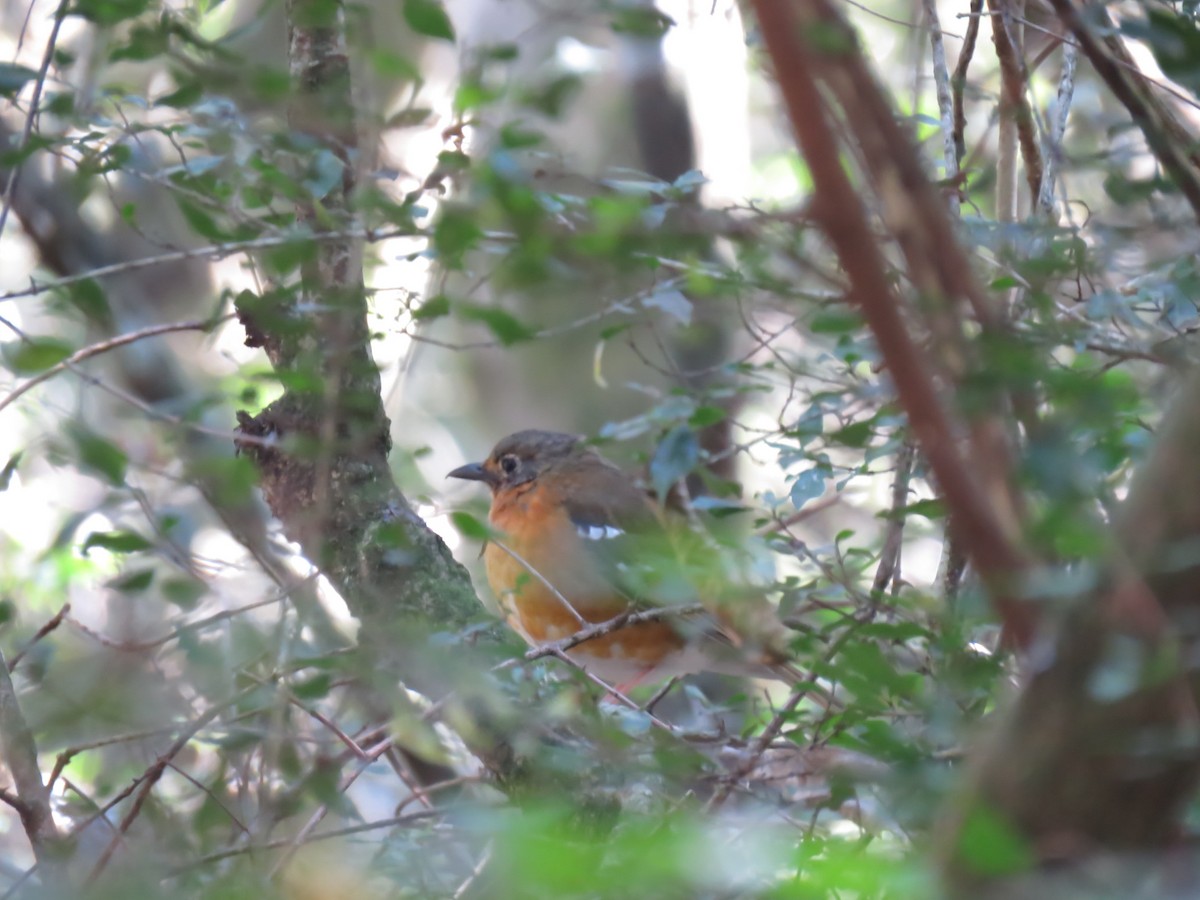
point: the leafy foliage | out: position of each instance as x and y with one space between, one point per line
163 634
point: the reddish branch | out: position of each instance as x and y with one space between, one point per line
1012 94
987 539
959 81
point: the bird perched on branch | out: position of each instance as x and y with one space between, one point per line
580 543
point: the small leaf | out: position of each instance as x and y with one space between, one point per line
931 509
183 592
325 173
834 321
133 582
470 527
675 457
116 542
854 435
808 485
433 308
9 469
644 22
34 355
88 297
507 328
99 455
314 688
13 77
428 17
673 303
200 221
704 416
991 846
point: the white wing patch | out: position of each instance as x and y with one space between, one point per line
598 532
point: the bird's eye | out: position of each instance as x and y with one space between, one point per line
508 463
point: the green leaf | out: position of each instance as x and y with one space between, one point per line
991 846
89 298
931 509
855 435
704 416
428 17
116 542
200 221
808 485
433 308
187 94
313 688
9 469
100 455
675 457
183 592
109 12
470 527
455 232
641 21
835 321
34 355
13 77
507 328
133 582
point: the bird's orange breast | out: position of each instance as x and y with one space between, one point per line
565 586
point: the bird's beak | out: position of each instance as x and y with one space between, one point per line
473 472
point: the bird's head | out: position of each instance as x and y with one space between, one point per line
521 457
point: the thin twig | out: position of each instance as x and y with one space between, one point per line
889 556
122 340
151 777
1052 151
412 818
50 625
39 83
945 99
567 605
1014 107
210 252
484 859
959 81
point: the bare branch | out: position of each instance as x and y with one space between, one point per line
30 797
889 557
50 625
207 251
1052 147
941 80
100 347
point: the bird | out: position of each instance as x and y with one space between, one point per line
580 543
